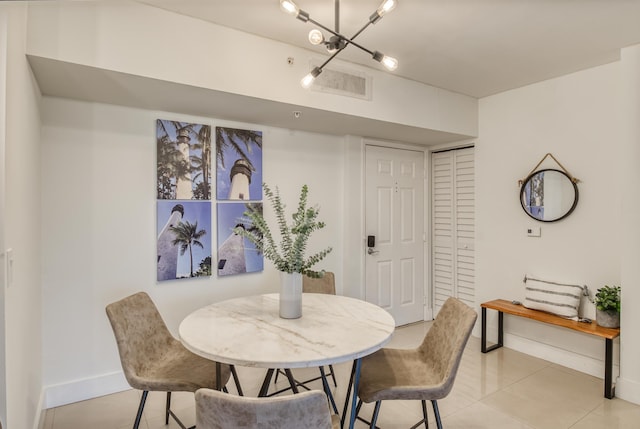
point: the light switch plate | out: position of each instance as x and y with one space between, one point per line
8 267
534 231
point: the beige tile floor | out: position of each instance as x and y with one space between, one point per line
502 389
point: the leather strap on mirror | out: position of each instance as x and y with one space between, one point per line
573 179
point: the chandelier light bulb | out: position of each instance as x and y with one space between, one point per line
290 7
387 6
308 79
316 37
390 63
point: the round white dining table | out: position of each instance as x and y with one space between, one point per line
248 331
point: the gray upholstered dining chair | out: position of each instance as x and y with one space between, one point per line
325 284
218 410
152 359
425 373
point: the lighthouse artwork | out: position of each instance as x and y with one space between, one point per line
240 180
239 164
236 254
183 160
238 188
184 239
183 219
167 252
184 208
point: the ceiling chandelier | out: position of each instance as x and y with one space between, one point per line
337 42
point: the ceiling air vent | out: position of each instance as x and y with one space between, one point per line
343 82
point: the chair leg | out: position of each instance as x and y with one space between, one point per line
437 413
327 391
374 417
167 408
167 411
358 407
136 424
424 414
425 418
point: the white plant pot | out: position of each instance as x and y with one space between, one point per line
290 295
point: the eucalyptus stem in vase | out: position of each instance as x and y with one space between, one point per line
289 255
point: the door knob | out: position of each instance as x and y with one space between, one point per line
370 251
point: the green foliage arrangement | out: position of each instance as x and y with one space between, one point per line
608 299
289 256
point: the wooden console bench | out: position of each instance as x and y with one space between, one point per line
503 306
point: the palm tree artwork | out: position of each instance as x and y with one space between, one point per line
184 239
183 160
201 165
187 235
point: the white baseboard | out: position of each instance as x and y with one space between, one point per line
629 390
586 364
80 390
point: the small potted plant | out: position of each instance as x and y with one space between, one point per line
608 306
288 255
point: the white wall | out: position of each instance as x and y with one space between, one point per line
577 118
629 383
99 231
22 304
141 40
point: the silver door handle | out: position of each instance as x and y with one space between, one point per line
370 251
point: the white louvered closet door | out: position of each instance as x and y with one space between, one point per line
453 226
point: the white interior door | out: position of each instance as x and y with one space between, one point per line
394 202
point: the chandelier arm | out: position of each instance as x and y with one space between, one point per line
356 35
342 48
345 38
331 57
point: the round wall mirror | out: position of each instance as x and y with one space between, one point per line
548 195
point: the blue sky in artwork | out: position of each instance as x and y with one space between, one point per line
229 215
194 211
223 182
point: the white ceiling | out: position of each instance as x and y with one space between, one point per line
474 47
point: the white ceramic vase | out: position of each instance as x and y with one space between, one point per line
290 295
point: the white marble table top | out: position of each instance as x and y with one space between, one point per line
249 332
